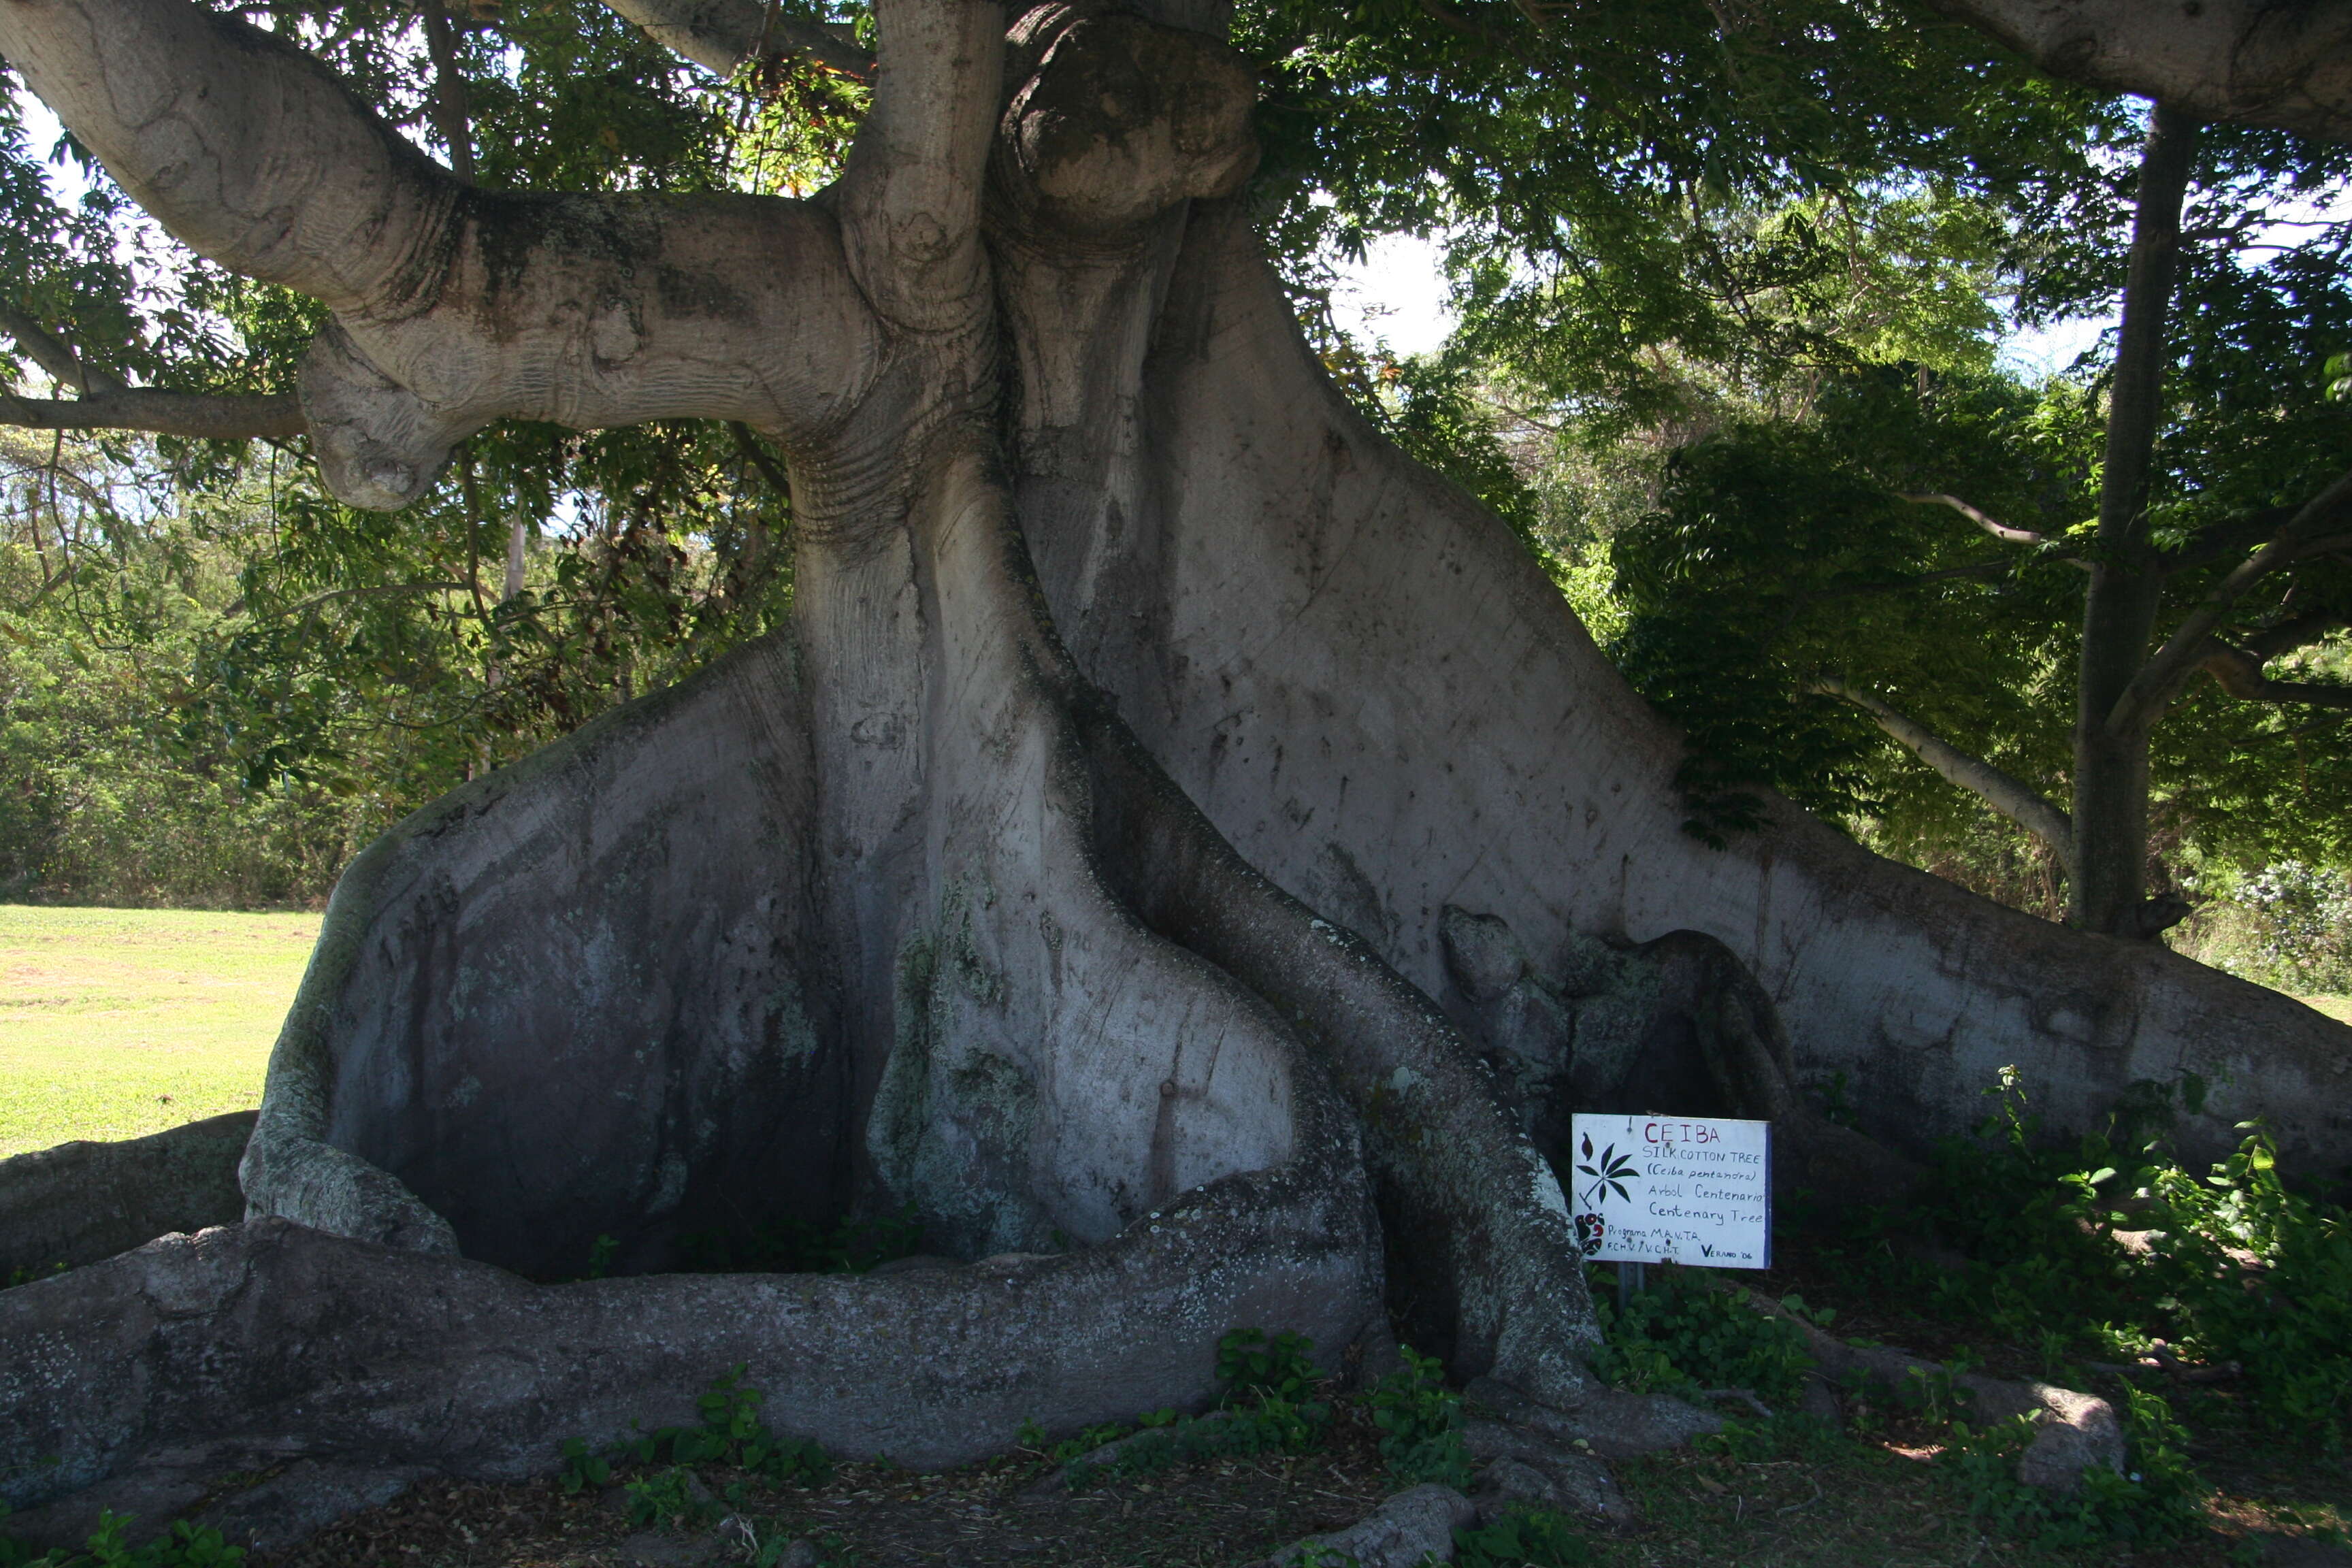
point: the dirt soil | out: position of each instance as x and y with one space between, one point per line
1215 1513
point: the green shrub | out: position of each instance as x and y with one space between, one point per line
1681 1336
1530 1538
2157 1498
2110 1240
1270 1404
731 1435
1420 1421
184 1545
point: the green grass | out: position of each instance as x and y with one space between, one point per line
118 1023
2336 1008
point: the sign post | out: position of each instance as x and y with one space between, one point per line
1671 1189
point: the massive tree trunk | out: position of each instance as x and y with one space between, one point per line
1179 842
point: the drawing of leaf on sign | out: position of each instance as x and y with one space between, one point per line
1608 1173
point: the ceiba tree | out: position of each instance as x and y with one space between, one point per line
1184 850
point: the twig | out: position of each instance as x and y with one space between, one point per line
1807 1504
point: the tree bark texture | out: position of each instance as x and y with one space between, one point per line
1179 842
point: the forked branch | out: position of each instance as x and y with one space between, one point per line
2190 645
2238 669
243 146
54 355
2012 797
108 404
453 307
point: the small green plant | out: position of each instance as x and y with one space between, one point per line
2156 1499
1086 1442
731 1435
1528 1538
184 1545
1680 1336
1420 1421
1248 1364
600 1256
1936 1393
582 1468
1270 1404
670 1496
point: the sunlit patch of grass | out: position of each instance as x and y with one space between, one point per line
118 1023
2336 1008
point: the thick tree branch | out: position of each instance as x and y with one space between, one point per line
219 416
1999 530
243 146
53 354
2127 575
107 403
2188 645
2010 796
2288 635
2256 60
720 34
453 306
910 192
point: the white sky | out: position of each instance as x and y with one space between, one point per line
1399 293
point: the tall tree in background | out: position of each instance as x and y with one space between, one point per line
2208 517
1164 801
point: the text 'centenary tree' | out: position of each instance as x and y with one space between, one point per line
1187 852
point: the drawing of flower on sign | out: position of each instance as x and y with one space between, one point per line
1608 1170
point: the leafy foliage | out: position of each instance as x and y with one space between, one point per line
287 672
731 1435
1683 1336
1421 1423
2159 1498
184 1545
1782 557
2109 1242
1523 1538
1272 1402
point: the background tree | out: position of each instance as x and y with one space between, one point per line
1953 650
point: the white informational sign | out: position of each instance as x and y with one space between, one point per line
1679 1189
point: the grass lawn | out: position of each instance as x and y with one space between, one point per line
118 1023
2336 1008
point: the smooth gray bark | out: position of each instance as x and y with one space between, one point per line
2010 796
2107 890
1087 854
2257 60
